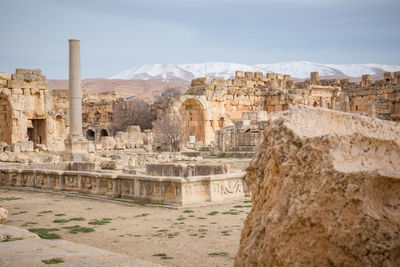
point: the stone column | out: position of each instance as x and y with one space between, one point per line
76 144
75 90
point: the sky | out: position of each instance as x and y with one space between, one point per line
119 34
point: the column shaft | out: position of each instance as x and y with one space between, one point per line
75 90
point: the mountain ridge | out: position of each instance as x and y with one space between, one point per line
297 69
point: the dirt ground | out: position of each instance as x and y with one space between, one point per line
197 236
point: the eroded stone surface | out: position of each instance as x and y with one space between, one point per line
325 191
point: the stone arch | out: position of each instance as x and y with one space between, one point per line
90 135
103 132
59 121
193 113
5 121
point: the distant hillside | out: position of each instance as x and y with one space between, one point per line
146 90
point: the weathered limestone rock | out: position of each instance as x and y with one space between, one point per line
41 147
3 215
91 147
325 192
120 146
108 142
26 146
4 157
3 146
111 165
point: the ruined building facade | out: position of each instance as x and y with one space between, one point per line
31 115
28 112
208 107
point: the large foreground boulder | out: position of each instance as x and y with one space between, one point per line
325 192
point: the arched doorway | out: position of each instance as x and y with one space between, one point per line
103 132
90 135
193 119
5 121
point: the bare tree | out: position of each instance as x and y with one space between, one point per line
168 130
133 112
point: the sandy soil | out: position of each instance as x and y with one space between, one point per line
191 236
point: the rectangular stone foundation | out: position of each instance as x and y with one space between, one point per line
152 189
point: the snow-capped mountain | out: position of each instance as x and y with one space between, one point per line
297 69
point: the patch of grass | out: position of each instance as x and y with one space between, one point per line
202 218
137 235
112 229
163 230
100 222
52 261
78 219
213 222
59 214
221 254
142 215
61 221
119 200
231 212
188 211
89 209
241 206
213 213
173 235
45 211
181 218
226 233
17 213
9 198
163 256
28 223
191 216
9 238
44 233
201 230
247 201
76 229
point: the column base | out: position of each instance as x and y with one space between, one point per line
75 148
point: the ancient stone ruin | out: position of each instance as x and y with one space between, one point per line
74 141
210 106
325 192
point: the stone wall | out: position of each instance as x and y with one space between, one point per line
98 114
